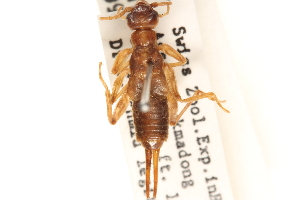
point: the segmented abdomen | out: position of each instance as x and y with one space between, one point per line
152 127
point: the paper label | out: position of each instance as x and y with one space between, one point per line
192 165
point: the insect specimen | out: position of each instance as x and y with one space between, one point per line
151 86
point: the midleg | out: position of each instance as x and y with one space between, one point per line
171 80
118 83
168 67
121 61
167 49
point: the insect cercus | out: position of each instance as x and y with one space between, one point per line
151 86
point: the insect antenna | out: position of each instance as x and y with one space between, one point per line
119 14
156 4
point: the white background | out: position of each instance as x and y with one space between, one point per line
55 141
264 41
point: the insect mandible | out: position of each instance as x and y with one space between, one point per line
151 86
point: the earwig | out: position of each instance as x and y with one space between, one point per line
151 86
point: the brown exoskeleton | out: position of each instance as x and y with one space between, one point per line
151 85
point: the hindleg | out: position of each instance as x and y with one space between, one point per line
114 116
117 84
173 108
168 67
171 81
174 118
201 95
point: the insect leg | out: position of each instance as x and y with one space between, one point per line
167 49
118 83
114 116
121 61
201 95
122 104
173 107
169 72
120 67
174 118
172 81
174 96
197 95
